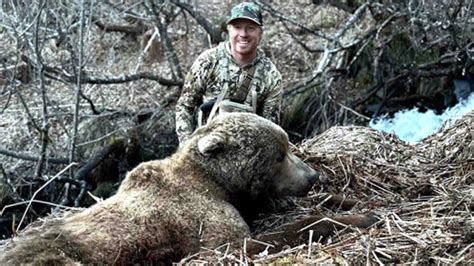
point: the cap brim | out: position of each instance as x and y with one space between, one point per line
244 17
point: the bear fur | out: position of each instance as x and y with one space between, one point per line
167 209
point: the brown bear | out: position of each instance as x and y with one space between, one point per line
167 209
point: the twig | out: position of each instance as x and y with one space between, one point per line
77 97
260 242
138 28
266 6
309 49
27 157
87 79
44 130
325 219
36 201
213 32
39 190
166 43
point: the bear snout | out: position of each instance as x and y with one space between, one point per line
296 178
312 178
302 170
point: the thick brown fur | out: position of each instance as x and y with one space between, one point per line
167 209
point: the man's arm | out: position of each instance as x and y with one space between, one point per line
272 103
191 96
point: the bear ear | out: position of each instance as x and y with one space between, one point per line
211 144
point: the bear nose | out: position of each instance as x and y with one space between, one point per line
317 177
313 178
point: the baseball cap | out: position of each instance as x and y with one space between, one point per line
246 10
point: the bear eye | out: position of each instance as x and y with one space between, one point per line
281 157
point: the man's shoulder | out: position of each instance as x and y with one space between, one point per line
206 59
268 67
212 54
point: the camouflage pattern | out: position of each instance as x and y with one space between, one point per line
204 83
248 11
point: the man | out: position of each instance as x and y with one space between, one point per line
236 71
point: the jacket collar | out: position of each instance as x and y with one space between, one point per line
226 46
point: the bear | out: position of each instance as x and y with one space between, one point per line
167 209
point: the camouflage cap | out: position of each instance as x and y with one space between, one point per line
246 10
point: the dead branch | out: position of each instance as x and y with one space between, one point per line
214 31
328 52
133 29
117 146
44 129
77 98
118 79
27 157
91 164
166 43
273 12
306 47
87 78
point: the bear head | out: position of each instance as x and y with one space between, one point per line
249 156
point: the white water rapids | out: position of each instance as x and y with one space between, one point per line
413 126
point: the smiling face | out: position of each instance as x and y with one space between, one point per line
244 36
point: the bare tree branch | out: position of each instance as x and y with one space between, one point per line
77 96
170 53
334 46
130 77
213 30
44 130
273 12
27 157
134 29
78 93
87 78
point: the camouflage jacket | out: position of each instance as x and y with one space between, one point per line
204 82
